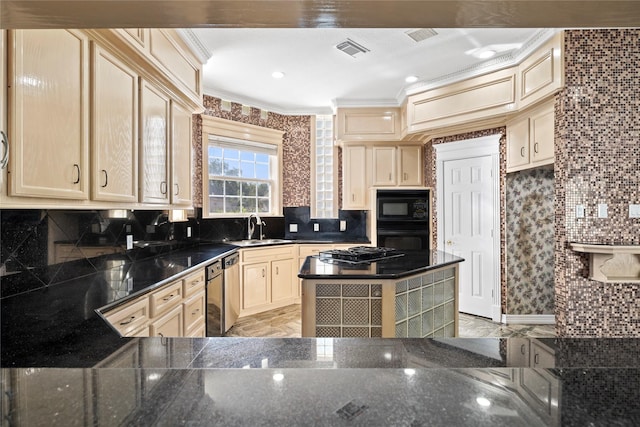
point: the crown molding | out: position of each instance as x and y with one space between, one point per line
256 103
195 44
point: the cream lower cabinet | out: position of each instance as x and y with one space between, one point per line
530 139
177 309
114 130
48 115
267 278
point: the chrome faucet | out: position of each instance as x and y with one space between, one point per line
251 226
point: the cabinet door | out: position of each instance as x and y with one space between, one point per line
114 135
282 280
255 285
410 165
154 111
542 137
194 314
518 144
384 166
169 325
4 142
354 175
48 88
181 169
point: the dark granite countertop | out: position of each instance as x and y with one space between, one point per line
57 324
409 263
337 381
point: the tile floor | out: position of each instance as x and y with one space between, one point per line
285 322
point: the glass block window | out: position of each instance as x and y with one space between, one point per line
241 177
325 185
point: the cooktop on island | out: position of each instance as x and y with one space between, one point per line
359 254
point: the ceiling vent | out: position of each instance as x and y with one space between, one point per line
421 34
351 48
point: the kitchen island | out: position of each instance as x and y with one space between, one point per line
412 294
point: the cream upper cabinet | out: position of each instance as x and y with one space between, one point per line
530 139
114 129
368 124
181 166
541 74
384 166
49 132
4 142
154 154
354 175
410 165
397 166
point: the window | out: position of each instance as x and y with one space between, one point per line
325 180
242 177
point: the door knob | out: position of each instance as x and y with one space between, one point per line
449 242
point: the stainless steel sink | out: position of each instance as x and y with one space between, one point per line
258 242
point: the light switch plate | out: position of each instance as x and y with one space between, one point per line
316 227
293 228
188 231
343 225
602 210
129 241
579 211
634 211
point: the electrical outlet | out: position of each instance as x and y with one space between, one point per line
129 241
188 231
127 228
343 225
293 228
634 211
602 210
316 227
579 211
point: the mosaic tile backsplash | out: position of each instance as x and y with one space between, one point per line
530 241
597 160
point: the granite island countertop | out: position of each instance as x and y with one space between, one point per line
409 263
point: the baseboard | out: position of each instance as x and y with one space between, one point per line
529 319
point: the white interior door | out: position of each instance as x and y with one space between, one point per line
468 224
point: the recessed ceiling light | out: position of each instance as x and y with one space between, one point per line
485 54
277 74
411 79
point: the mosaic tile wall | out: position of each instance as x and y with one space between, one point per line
597 161
296 148
530 241
430 181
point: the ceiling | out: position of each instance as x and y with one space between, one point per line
319 77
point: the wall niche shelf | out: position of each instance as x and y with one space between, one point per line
612 263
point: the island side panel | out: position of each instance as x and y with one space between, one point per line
308 308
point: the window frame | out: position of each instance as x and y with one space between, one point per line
237 133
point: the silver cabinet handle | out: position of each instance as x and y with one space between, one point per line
263 272
5 143
77 167
126 322
163 187
536 359
522 349
106 178
177 189
535 148
168 298
521 151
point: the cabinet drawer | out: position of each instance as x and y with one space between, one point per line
193 284
166 298
131 317
194 312
267 254
310 250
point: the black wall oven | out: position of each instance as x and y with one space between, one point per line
403 219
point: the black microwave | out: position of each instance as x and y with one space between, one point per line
403 205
